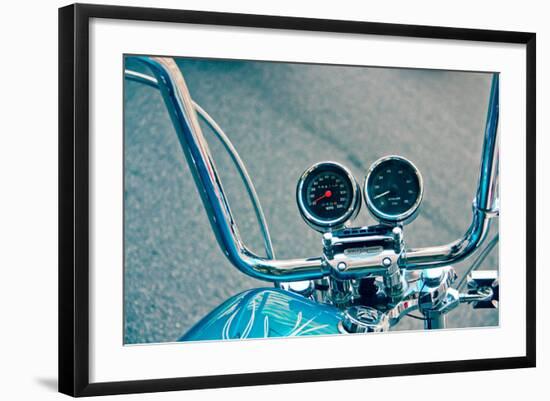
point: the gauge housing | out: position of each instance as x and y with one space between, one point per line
352 202
406 215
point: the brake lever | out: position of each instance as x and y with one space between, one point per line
480 283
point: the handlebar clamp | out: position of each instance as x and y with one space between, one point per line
361 252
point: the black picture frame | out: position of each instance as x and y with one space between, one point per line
74 198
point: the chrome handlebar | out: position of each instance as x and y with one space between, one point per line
177 98
485 205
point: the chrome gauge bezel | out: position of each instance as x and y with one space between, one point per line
322 225
402 218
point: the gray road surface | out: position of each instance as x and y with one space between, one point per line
283 118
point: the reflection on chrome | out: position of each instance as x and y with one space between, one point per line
355 263
201 163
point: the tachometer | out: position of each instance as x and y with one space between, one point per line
393 190
327 196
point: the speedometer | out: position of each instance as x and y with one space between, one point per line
393 190
327 196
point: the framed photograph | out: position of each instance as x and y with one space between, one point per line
251 199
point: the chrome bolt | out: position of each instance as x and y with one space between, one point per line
327 240
342 266
397 233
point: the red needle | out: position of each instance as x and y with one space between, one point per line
327 194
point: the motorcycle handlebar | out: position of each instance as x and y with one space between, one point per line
170 82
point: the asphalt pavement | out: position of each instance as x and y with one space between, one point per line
282 118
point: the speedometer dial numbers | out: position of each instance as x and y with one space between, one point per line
327 196
393 190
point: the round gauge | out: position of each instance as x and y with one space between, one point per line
393 190
327 196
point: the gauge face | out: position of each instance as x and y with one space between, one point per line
393 189
327 196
